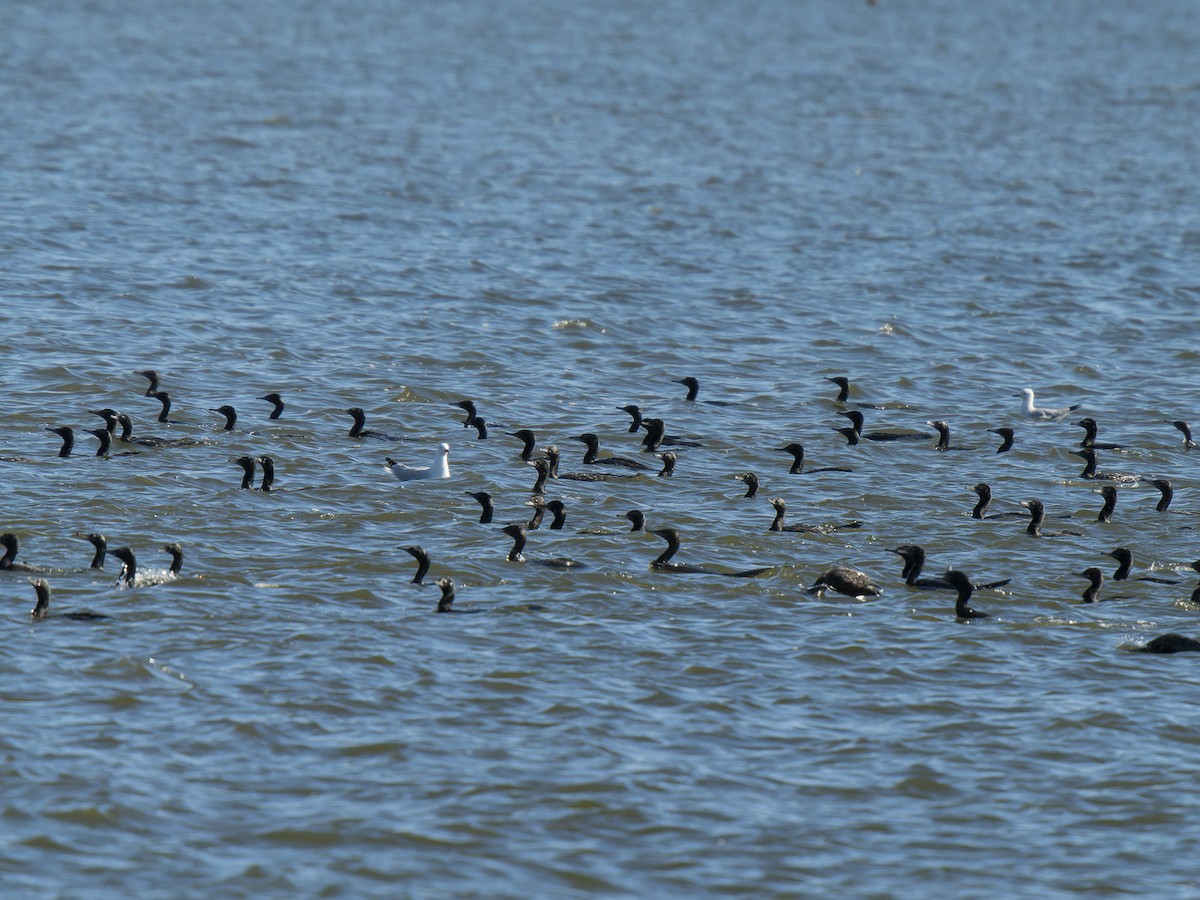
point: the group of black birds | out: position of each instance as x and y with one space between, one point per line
116 438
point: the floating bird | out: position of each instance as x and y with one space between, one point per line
857 421
668 460
1171 643
268 470
247 463
469 410
100 546
128 565
1089 469
1091 593
110 418
552 457
165 399
41 609
1124 558
693 387
151 376
845 580
780 507
1037 515
358 429
230 415
520 535
662 563
484 499
1186 431
656 436
637 519
635 413
8 563
1109 493
961 583
591 455
797 468
68 440
440 469
984 492
1007 436
528 440
1030 411
751 482
1088 424
422 559
276 401
543 472
914 561
126 437
480 426
176 551
843 396
1167 492
447 598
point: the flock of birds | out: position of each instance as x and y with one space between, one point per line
116 438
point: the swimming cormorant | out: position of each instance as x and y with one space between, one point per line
797 451
961 583
422 559
276 401
780 507
662 562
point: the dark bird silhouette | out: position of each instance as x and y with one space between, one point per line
528 440
126 437
247 463
914 561
422 559
520 535
41 609
99 545
8 563
230 415
662 563
637 519
668 464
777 524
591 455
68 440
480 426
359 429
843 395
447 598
128 565
751 481
176 551
1088 424
484 499
276 401
857 422
1091 593
965 588
1186 431
845 580
1089 469
635 413
1037 515
693 389
656 436
1171 643
1109 493
469 411
797 451
984 492
1167 492
268 470
1007 436
1124 558
151 376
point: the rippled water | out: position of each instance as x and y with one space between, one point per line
557 211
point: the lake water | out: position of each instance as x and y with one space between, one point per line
557 209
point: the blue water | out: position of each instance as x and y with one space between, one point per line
556 211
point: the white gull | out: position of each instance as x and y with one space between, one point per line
440 469
1029 411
